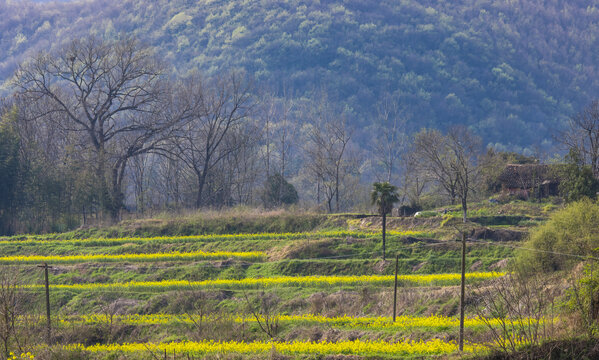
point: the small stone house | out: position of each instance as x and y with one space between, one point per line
537 180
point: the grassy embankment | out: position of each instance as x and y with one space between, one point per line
327 247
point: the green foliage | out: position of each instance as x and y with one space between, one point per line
9 167
384 195
582 299
38 193
572 230
577 179
277 192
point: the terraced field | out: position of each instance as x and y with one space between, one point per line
302 295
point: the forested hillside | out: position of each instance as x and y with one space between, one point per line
512 70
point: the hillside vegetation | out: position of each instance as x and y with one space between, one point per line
144 288
303 295
513 70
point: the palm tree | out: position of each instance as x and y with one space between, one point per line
384 195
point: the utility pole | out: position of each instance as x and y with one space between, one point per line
592 313
49 324
384 231
395 288
462 292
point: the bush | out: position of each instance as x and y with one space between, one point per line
577 179
582 300
277 192
572 230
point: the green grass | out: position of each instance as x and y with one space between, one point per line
334 251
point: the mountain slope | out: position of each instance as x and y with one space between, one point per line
512 70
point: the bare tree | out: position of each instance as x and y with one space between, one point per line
171 182
413 182
285 132
280 129
219 106
391 139
109 92
431 151
265 312
583 135
514 308
465 148
12 312
244 162
267 114
326 148
449 160
140 173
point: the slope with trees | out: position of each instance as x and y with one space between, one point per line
513 70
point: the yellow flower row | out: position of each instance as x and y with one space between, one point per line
214 237
356 347
428 279
177 256
22 356
434 321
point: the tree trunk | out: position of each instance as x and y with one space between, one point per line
318 192
463 277
116 194
103 195
462 293
384 233
115 203
201 183
337 191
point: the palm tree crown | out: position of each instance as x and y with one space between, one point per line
384 195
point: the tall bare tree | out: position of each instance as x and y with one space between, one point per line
171 182
267 111
12 312
465 148
413 182
107 91
280 129
582 135
449 160
244 162
391 138
219 106
327 143
431 152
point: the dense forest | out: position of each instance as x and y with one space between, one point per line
513 71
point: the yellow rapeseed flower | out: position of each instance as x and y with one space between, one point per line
215 237
174 256
356 347
426 279
433 321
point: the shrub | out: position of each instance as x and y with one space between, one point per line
277 192
577 179
572 230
